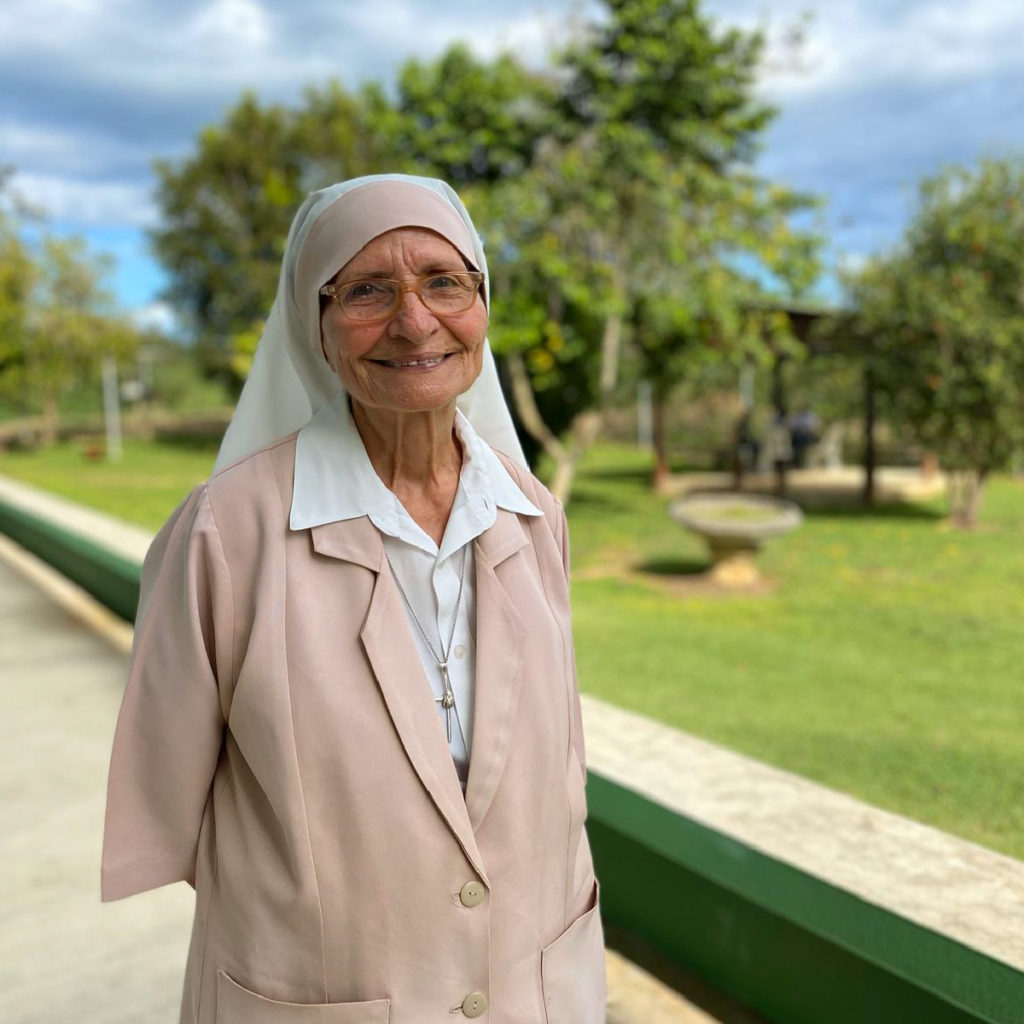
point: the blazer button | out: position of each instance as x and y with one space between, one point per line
471 894
474 1004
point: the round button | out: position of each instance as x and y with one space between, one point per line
460 651
474 1004
471 894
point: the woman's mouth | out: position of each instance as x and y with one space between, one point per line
423 361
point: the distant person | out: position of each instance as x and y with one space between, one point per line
745 449
803 431
777 446
352 720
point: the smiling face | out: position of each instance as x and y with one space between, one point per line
414 361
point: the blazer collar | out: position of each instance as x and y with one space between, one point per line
359 541
351 540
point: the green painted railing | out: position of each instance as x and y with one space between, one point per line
789 945
111 578
792 947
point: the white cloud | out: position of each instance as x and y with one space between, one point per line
849 45
86 203
44 25
401 28
229 25
156 315
852 262
531 36
68 151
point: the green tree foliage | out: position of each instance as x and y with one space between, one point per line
71 325
17 275
658 74
56 317
941 320
651 218
468 121
226 211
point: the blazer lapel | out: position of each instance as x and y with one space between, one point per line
500 635
396 665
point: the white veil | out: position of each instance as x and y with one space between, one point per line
290 379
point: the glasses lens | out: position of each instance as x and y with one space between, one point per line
448 293
367 300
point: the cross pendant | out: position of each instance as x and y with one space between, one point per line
447 698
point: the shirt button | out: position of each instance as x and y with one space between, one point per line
460 651
471 894
474 1004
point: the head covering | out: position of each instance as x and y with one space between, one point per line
290 379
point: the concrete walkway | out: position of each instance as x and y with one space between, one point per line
65 958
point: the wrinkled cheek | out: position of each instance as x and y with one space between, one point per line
476 363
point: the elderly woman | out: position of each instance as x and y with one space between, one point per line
352 720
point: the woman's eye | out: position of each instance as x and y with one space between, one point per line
365 291
445 282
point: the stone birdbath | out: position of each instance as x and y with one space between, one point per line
734 527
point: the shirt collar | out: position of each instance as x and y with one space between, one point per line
335 480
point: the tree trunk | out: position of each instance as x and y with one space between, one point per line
531 419
561 480
870 449
965 491
611 344
51 420
586 425
661 471
781 404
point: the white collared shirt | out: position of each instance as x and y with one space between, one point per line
335 480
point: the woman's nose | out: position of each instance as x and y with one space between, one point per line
412 318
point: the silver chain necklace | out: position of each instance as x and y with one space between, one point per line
447 698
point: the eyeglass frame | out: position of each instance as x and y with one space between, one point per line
330 291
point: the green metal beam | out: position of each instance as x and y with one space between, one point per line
794 948
112 579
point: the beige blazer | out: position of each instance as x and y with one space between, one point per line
278 746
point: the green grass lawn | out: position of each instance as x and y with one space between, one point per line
144 487
886 661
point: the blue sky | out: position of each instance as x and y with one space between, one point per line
878 94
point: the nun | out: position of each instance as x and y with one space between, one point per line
351 721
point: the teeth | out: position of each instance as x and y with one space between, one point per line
416 362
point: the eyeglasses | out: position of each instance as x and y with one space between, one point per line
378 298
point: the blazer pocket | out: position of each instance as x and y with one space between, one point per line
237 1005
572 971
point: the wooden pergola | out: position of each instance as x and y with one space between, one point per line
802 319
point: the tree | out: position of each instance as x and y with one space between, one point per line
70 325
226 211
471 122
648 213
942 317
56 317
17 275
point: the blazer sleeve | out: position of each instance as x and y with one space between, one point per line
169 733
